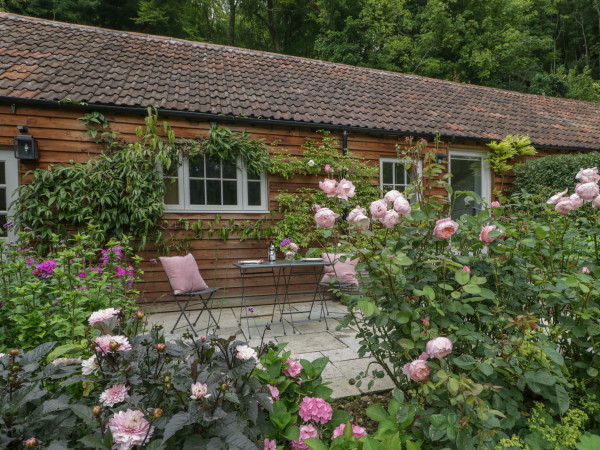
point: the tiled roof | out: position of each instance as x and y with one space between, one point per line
47 60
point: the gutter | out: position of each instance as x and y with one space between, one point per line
344 129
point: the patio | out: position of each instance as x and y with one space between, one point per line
311 341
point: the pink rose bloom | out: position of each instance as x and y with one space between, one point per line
294 369
103 343
378 209
438 347
389 219
555 198
274 392
391 196
198 391
316 207
417 370
466 269
444 228
576 200
495 204
328 186
402 206
129 428
270 445
585 270
588 175
564 206
362 222
355 212
102 315
315 408
327 168
294 247
356 431
587 191
325 218
306 431
113 395
596 202
345 189
484 235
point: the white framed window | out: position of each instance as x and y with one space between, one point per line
395 174
203 184
470 172
9 182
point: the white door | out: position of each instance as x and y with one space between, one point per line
9 181
470 172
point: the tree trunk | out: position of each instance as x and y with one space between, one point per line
232 8
272 27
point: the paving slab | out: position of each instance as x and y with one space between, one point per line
341 388
302 343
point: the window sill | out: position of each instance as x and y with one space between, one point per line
215 211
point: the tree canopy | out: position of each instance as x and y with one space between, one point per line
549 47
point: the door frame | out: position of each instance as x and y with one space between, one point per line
12 183
486 171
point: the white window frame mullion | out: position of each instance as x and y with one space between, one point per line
486 171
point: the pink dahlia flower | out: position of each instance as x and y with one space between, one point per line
401 206
315 408
389 219
274 392
270 445
356 431
439 347
199 391
564 206
329 187
103 343
596 202
357 211
294 369
556 198
378 208
444 228
325 218
588 175
245 352
129 428
576 200
345 189
484 235
417 370
391 196
113 395
102 315
587 191
306 431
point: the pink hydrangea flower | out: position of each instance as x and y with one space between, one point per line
103 343
439 347
587 191
315 408
270 445
245 352
345 189
417 370
356 431
556 198
357 211
401 206
484 235
585 270
389 219
199 391
378 208
129 428
391 196
329 187
576 200
325 218
564 206
102 315
294 369
306 431
274 392
113 395
588 175
596 202
444 228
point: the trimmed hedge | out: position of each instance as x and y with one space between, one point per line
555 172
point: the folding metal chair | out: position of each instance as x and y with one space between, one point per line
190 295
322 289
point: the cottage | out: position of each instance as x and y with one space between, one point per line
274 97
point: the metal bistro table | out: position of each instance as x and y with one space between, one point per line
282 272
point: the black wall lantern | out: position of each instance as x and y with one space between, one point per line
440 158
25 145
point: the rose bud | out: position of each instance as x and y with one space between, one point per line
15 352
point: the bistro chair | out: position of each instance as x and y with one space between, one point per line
340 275
186 283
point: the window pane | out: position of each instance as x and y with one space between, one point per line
399 173
254 194
230 192
253 176
229 170
2 172
213 169
387 175
171 191
197 192
213 192
400 187
197 167
3 201
466 176
409 173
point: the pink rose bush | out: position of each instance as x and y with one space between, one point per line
596 202
325 218
439 347
417 370
564 206
345 189
378 209
389 219
556 198
402 206
357 431
129 428
484 235
445 228
316 409
391 196
329 187
587 191
588 175
306 431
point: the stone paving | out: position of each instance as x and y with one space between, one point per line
310 341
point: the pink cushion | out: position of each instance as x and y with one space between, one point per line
183 274
345 271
